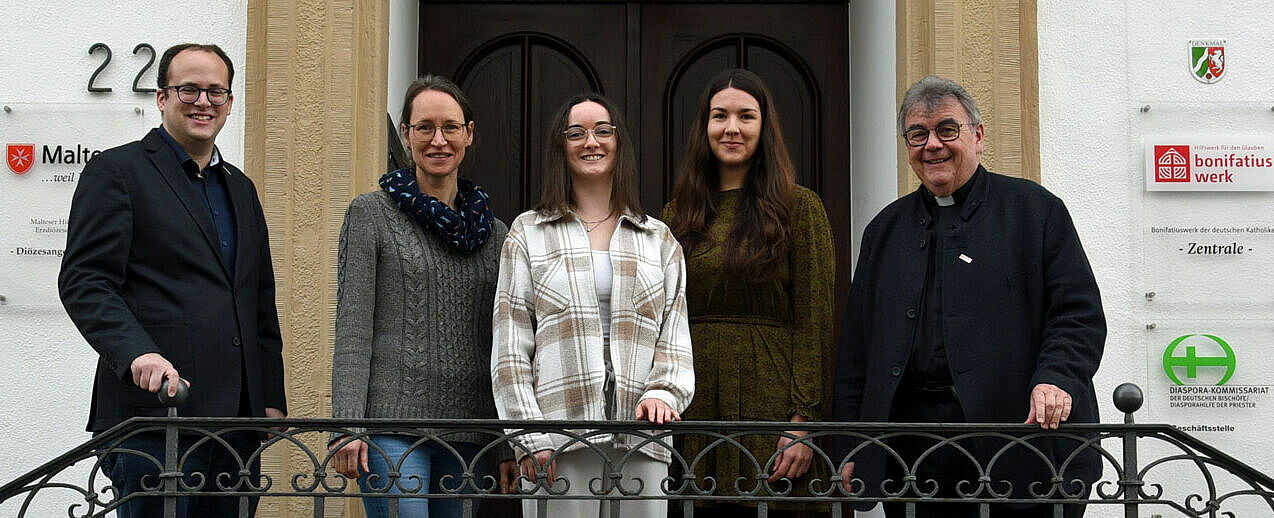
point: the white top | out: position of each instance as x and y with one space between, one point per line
602 282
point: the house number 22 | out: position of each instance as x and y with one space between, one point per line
107 61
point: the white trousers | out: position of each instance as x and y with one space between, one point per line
581 467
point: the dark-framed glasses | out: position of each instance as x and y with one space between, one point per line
600 132
189 94
946 132
450 130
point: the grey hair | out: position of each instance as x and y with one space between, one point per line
932 91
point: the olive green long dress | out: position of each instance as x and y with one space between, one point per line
760 349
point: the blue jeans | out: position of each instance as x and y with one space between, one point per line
430 462
127 471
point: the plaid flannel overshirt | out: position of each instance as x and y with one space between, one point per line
547 353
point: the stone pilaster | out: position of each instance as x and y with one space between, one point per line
315 138
989 47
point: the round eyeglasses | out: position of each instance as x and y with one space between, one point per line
946 132
451 131
600 132
189 94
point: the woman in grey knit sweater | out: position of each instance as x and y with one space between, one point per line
418 269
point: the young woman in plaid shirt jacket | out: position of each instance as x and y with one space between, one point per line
590 316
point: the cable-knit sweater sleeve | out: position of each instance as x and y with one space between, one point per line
355 308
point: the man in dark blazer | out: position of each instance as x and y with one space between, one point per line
972 301
167 274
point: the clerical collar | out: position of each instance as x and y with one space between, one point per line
956 198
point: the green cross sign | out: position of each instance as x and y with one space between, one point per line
1192 361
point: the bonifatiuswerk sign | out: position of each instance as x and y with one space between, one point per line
1192 163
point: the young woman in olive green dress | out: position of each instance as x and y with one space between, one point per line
761 267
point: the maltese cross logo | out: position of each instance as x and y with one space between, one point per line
21 156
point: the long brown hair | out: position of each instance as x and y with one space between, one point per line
759 238
556 194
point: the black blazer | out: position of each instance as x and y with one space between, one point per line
1023 310
143 272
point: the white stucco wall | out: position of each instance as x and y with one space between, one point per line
1099 63
44 59
404 47
873 105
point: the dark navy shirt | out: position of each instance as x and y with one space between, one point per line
210 185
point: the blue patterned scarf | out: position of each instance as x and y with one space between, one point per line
465 230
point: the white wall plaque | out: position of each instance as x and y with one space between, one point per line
54 141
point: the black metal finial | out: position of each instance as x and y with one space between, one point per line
1128 398
183 390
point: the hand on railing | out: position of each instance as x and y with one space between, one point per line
1050 406
151 370
847 477
508 476
274 413
531 463
656 411
350 456
792 460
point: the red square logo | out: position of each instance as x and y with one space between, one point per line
1172 163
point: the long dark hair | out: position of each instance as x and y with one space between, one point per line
556 195
759 238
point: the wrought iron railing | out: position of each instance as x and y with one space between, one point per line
1145 466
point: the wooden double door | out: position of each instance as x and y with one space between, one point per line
519 61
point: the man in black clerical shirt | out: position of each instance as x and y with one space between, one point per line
973 301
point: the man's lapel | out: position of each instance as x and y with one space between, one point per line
241 196
172 175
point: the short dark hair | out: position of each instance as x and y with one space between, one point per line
440 84
931 91
556 195
167 59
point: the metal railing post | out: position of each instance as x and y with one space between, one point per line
170 465
1128 399
171 472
